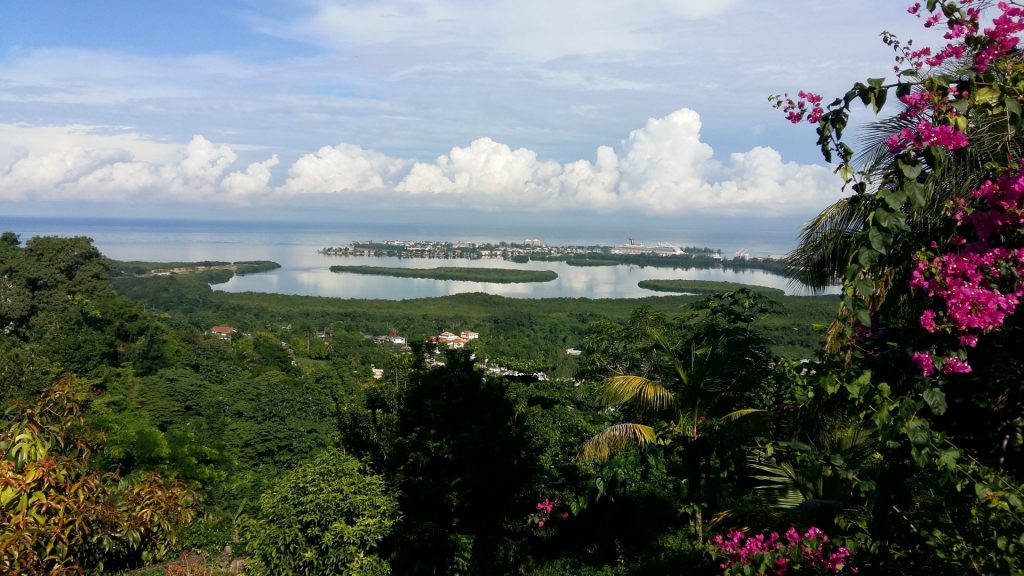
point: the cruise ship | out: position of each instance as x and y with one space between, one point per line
659 250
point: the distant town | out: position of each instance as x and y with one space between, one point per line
631 252
510 250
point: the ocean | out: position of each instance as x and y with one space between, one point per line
294 245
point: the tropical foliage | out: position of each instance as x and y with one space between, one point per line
60 515
326 516
501 275
928 248
692 435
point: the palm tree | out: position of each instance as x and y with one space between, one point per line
814 478
710 372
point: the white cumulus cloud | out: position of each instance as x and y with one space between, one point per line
339 169
663 167
490 173
104 164
252 182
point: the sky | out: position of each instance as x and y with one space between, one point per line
503 109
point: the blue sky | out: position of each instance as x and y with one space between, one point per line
649 108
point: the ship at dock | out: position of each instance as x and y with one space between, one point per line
636 248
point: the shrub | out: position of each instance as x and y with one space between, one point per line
324 517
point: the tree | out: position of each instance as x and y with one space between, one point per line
59 515
931 255
700 378
463 470
327 516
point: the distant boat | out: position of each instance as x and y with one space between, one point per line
633 248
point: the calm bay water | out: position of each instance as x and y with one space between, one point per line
305 272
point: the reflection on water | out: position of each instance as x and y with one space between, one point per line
305 272
572 281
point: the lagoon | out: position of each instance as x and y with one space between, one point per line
305 272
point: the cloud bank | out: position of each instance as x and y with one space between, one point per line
661 168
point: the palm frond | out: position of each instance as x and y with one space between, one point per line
737 414
781 483
645 394
615 438
826 244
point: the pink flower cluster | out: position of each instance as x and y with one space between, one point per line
964 282
959 26
996 41
546 508
916 104
1001 36
926 134
779 554
808 105
980 283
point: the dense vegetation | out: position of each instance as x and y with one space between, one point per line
533 330
228 418
678 442
705 259
139 268
702 287
587 262
498 275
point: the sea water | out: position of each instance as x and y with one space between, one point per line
304 271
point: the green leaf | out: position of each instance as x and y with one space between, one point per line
986 95
936 400
867 257
895 198
915 191
910 169
879 240
854 388
1012 106
846 152
883 416
878 100
830 383
981 490
948 458
917 431
864 316
854 93
886 218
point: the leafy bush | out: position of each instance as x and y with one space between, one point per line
324 517
58 515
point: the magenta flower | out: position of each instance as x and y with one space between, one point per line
928 321
924 363
955 365
742 553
